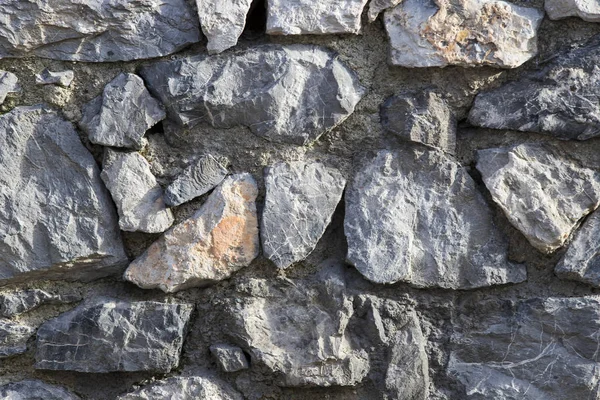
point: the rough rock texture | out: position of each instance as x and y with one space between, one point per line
222 22
218 240
562 99
35 390
13 337
300 17
533 349
416 216
422 117
185 388
8 84
542 193
137 194
122 114
96 30
230 358
56 217
588 10
437 33
60 78
105 335
20 301
377 6
287 94
299 203
197 179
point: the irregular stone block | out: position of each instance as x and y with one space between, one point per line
96 30
122 114
377 6
34 390
416 216
137 194
21 301
13 338
300 200
542 193
230 358
8 84
437 33
285 94
57 220
218 240
422 117
301 17
222 22
186 388
588 10
562 99
60 78
197 179
106 335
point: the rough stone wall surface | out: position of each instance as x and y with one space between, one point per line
362 200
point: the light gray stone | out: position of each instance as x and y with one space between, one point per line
197 179
588 10
57 220
222 22
204 387
542 193
13 337
105 335
230 358
96 30
60 78
301 17
285 94
122 114
299 203
21 301
137 194
376 7
437 33
8 84
561 99
416 216
32 389
420 116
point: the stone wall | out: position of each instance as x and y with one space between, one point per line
299 199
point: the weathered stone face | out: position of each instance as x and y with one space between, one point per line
542 193
376 7
106 335
96 30
437 33
220 239
60 78
186 388
56 217
229 358
33 390
20 301
588 10
13 338
8 84
222 22
285 94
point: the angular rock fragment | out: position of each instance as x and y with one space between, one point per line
197 179
230 358
437 33
56 218
301 17
21 301
122 114
34 390
105 335
286 94
204 387
8 84
60 78
13 337
96 30
562 99
588 10
416 216
377 6
421 117
218 240
542 193
531 350
222 22
300 200
137 194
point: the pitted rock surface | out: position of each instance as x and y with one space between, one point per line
186 388
229 358
20 301
33 389
222 22
13 337
588 10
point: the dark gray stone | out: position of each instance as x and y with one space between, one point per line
35 390
60 78
13 337
96 30
204 387
286 94
8 84
230 358
105 335
57 220
21 301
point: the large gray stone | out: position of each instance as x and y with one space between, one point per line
122 114
57 220
203 387
229 358
35 390
437 33
13 337
416 216
137 194
301 17
288 94
104 335
222 22
60 78
300 200
20 301
542 193
531 350
561 99
96 30
588 10
8 84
